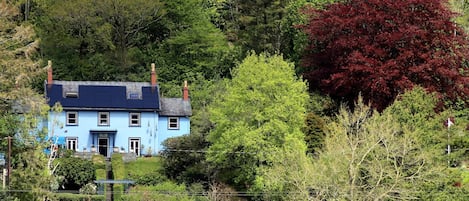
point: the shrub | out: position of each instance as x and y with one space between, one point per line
118 171
166 191
99 161
76 172
89 189
76 197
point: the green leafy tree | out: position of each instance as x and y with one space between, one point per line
194 46
260 114
389 155
76 172
164 191
462 8
254 25
21 108
97 40
183 157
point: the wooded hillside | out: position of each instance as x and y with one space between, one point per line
292 99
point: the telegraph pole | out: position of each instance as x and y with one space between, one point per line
9 162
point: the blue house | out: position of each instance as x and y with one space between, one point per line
107 117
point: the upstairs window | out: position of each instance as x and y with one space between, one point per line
173 123
72 118
103 119
134 119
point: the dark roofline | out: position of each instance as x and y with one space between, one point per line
109 109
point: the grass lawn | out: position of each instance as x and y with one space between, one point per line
143 166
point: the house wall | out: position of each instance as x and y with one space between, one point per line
165 133
153 130
119 121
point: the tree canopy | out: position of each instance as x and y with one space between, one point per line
380 48
260 114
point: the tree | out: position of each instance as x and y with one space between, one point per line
76 172
97 40
21 108
254 25
260 114
395 154
461 7
194 46
380 48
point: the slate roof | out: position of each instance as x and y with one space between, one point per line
175 107
97 95
92 95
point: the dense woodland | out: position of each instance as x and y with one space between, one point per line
292 99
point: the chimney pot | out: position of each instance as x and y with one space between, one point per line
49 73
185 91
153 75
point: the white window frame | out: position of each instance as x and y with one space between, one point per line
106 119
173 125
68 119
132 141
132 119
73 146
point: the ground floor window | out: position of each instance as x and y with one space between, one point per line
134 146
72 143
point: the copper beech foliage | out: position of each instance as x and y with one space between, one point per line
380 48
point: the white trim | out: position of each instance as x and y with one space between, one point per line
132 141
173 123
68 119
134 119
72 143
106 119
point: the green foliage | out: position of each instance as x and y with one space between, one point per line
185 167
100 174
76 172
461 7
99 164
288 177
118 168
260 114
194 47
254 25
89 189
30 178
145 171
96 40
118 39
393 155
118 171
99 161
76 197
314 133
166 191
294 39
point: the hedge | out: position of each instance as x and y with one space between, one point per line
118 171
76 197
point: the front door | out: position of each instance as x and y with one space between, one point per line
103 146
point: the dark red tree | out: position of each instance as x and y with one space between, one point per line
380 48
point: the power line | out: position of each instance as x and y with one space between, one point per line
207 151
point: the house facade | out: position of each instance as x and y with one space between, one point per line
108 117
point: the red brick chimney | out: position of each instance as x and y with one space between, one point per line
185 92
49 73
153 75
